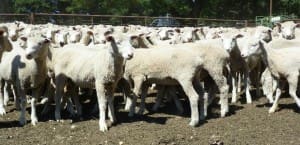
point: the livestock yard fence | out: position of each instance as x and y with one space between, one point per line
81 19
76 19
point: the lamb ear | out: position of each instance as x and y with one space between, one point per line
46 41
90 33
279 26
24 38
198 29
109 38
21 29
2 32
239 36
177 30
133 37
216 36
270 30
298 25
42 35
107 33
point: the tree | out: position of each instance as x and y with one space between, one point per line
25 6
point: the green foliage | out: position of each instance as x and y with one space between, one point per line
227 9
25 6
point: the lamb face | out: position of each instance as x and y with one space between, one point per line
252 48
230 41
5 44
124 47
263 33
287 29
62 38
14 33
35 48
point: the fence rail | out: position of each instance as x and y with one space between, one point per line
75 19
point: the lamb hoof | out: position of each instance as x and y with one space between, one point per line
22 121
103 127
154 109
18 108
271 110
5 102
127 107
2 111
130 115
223 113
202 117
57 117
140 112
44 100
180 112
193 123
34 121
60 120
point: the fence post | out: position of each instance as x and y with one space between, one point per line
146 21
73 19
31 18
92 20
246 23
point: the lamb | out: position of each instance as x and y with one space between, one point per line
144 71
15 30
239 65
83 68
287 69
75 35
287 29
269 85
26 69
5 44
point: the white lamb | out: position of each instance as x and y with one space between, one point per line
88 68
25 67
287 29
161 71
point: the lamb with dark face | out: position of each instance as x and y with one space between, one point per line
282 63
5 44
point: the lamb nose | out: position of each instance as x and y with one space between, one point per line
28 56
130 56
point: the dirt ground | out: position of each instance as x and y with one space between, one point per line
246 124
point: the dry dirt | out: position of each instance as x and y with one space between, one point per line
246 124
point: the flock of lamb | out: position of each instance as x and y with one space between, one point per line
56 63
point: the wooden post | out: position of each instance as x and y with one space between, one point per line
271 7
92 20
31 18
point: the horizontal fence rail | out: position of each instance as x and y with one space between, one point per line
84 19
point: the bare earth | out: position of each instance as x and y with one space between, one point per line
246 124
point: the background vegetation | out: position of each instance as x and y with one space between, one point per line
229 9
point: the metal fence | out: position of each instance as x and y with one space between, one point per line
81 19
